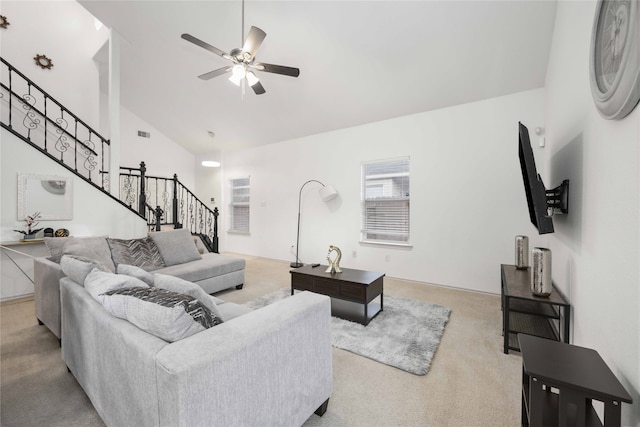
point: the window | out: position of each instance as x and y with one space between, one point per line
240 205
385 201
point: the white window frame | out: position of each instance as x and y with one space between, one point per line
392 197
240 205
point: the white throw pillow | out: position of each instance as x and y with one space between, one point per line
137 272
99 282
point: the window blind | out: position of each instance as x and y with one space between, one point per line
386 201
240 206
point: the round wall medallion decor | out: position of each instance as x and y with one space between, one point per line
43 62
614 63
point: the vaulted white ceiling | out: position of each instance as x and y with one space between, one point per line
360 62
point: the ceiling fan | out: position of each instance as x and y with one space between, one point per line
243 60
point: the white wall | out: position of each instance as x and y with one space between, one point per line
596 253
208 181
467 195
161 155
63 31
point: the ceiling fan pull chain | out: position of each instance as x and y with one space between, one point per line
242 34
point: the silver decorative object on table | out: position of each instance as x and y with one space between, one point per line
522 252
334 265
541 284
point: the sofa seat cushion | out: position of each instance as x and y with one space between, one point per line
211 265
142 253
165 314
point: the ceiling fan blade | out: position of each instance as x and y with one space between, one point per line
214 73
277 69
253 41
204 45
258 88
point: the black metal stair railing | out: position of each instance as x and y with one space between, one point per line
31 114
37 118
175 205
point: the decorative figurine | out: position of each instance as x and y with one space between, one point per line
334 266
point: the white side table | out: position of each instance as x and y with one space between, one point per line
17 267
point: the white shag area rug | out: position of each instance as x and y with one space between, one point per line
405 335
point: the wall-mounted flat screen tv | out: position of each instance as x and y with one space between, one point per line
542 203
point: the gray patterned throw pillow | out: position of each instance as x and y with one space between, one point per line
141 253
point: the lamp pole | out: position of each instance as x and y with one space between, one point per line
297 263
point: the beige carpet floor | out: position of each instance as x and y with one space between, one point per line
470 383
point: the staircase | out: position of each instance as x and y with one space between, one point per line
35 117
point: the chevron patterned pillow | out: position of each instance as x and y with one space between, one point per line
142 253
165 314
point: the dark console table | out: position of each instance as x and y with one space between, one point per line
523 312
559 382
352 291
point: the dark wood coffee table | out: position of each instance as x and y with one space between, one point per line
352 291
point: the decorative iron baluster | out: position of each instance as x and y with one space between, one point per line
209 222
201 222
30 121
75 146
46 122
89 162
129 190
165 197
182 210
62 143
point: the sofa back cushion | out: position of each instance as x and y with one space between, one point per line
176 246
95 248
142 253
78 267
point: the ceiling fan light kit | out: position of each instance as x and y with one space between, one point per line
243 60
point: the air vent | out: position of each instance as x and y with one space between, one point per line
144 134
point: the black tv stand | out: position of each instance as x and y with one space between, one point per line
523 312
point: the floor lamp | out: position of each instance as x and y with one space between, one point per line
327 192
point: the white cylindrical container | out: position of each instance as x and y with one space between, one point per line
522 252
541 284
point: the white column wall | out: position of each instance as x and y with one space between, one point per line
596 249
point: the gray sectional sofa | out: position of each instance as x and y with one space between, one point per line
167 252
268 367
